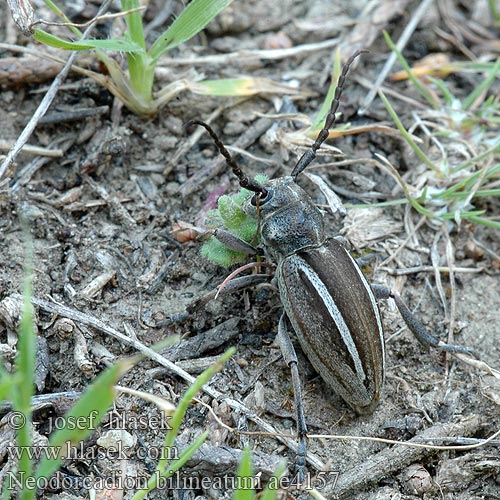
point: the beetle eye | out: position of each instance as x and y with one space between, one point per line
262 199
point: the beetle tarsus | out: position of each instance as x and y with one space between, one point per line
416 327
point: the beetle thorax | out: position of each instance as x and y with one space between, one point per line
290 221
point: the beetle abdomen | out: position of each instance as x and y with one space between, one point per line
336 318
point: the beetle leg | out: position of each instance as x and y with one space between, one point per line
290 358
415 326
234 243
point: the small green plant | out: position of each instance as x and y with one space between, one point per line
246 481
135 86
135 89
230 215
463 160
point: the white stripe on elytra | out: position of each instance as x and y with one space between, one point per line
374 307
335 315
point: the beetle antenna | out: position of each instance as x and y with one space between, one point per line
245 182
330 120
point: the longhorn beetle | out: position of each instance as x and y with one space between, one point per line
326 298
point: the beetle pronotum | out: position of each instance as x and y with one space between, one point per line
326 298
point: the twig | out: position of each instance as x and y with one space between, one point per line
46 102
26 172
450 260
435 257
415 442
460 441
195 347
73 115
441 269
243 55
391 460
34 150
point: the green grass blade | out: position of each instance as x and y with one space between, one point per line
467 182
140 66
184 403
481 193
244 478
162 468
467 103
185 455
190 22
412 201
116 44
134 22
476 159
461 214
493 10
246 86
8 383
407 136
481 220
88 412
448 96
390 203
418 84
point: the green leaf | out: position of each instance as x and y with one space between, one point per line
190 22
22 392
84 417
134 22
116 44
244 490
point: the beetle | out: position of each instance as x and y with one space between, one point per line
327 300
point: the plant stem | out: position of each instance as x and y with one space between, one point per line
140 65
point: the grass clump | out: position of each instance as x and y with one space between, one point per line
133 85
462 160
